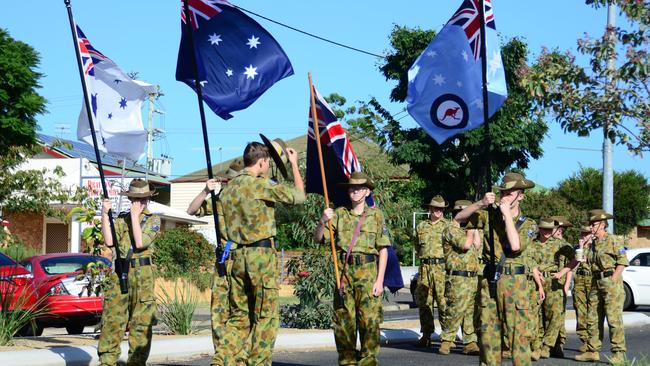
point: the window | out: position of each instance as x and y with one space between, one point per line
6 261
54 266
642 259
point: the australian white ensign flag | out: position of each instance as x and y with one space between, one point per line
116 102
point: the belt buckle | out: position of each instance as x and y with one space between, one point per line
357 260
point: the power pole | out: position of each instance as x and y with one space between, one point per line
151 131
608 173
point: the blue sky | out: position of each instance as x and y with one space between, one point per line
143 36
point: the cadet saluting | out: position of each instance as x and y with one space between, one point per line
360 236
136 231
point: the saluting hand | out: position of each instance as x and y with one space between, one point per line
488 199
136 208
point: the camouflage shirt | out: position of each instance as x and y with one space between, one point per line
608 253
553 255
206 210
527 232
248 203
429 244
457 258
150 224
373 235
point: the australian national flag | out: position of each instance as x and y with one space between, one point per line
339 159
115 102
445 91
237 59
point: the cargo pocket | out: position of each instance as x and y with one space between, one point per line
268 297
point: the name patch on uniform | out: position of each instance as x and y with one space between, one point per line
621 251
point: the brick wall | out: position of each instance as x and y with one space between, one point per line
28 227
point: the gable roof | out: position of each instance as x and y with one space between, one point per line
364 149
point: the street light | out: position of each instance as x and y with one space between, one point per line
414 233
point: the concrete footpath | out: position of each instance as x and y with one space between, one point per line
183 348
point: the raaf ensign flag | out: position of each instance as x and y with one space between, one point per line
445 83
115 101
238 60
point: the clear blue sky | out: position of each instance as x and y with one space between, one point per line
143 36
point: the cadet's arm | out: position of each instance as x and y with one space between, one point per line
137 230
511 230
196 203
618 272
328 213
567 268
463 215
297 178
381 269
106 225
470 239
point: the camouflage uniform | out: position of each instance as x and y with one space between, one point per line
551 257
219 304
508 313
248 203
431 274
461 287
137 308
609 295
358 309
531 258
586 312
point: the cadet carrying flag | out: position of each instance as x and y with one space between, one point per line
238 60
116 102
445 92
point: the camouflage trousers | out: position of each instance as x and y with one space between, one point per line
585 311
431 287
461 292
535 319
252 326
508 313
220 308
137 309
609 296
552 311
358 310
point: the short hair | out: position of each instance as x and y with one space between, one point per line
253 152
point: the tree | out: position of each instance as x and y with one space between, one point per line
19 101
457 167
583 99
584 190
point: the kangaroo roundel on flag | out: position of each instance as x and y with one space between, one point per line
449 111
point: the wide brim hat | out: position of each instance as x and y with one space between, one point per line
547 223
585 228
561 221
358 179
514 181
235 167
277 149
460 205
437 202
599 215
139 188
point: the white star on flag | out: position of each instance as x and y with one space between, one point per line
250 72
253 42
215 39
229 72
432 53
413 72
465 55
477 103
459 83
203 82
495 63
438 79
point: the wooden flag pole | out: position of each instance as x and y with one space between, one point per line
119 270
324 180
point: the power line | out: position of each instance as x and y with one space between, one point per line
311 34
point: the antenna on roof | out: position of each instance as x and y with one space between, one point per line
62 129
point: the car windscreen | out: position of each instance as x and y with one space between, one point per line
6 261
54 266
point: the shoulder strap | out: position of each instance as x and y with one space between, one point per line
355 235
520 222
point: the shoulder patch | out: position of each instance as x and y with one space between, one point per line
622 250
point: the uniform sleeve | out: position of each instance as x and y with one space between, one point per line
280 193
150 231
383 240
455 236
620 252
222 223
206 208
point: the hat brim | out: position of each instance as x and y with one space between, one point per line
522 184
139 195
437 206
366 184
275 156
549 227
604 217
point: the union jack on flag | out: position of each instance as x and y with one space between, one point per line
467 16
205 9
339 159
89 55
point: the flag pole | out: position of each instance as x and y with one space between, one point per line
486 126
324 179
206 143
118 263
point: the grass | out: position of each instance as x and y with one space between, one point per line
13 321
642 360
177 309
289 300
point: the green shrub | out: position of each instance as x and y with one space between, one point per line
177 309
16 316
183 253
18 250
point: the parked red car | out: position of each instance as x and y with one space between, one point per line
66 297
15 284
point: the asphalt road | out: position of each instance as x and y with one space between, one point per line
405 354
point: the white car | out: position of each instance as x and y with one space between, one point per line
637 278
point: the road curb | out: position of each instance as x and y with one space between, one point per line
179 349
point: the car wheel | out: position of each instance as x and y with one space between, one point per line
75 328
32 329
628 304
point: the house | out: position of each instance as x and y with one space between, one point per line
77 160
